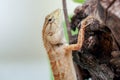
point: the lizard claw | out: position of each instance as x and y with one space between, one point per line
87 21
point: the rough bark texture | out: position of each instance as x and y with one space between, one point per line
99 57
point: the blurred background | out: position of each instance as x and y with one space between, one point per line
22 55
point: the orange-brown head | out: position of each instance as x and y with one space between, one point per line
52 29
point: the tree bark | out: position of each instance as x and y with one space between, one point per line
102 58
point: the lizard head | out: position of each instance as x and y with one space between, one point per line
52 28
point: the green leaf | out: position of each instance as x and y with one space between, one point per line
65 31
51 75
74 32
79 1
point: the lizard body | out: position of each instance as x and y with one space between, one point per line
54 42
59 52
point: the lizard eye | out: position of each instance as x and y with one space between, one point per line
49 19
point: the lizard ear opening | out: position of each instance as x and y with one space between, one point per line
50 33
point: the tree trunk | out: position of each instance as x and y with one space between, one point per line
102 58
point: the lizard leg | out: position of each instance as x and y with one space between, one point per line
79 43
81 36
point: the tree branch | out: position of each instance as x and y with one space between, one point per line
66 19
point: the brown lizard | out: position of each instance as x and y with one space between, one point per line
59 51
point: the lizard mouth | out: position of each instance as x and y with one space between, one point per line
57 14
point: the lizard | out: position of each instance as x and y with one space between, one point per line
57 48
